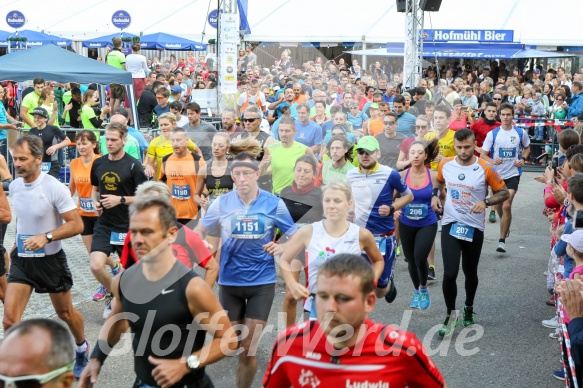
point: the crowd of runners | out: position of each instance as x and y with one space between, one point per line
323 173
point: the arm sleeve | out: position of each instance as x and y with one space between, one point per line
561 246
96 122
488 143
398 183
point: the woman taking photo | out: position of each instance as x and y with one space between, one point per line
322 240
47 101
161 146
417 220
80 183
88 117
459 117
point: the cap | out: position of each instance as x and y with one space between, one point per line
368 143
41 112
537 71
487 68
339 126
457 101
374 106
275 87
575 239
176 89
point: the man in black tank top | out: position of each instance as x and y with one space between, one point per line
161 299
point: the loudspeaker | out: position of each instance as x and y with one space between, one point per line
430 5
401 5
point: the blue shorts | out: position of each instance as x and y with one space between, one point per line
391 244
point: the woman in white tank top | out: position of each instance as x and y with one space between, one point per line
323 239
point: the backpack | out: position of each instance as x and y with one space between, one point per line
195 156
520 133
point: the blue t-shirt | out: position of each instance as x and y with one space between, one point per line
406 124
158 110
3 120
139 137
244 231
309 134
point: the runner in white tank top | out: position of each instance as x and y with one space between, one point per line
324 239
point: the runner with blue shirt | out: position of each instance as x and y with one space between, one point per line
247 219
373 185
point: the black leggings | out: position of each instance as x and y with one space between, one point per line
417 243
451 250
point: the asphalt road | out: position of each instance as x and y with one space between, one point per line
507 348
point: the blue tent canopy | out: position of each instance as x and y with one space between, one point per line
105 41
35 38
57 64
162 41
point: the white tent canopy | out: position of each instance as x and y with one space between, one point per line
374 21
377 21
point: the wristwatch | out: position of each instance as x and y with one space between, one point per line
49 236
193 362
487 201
122 200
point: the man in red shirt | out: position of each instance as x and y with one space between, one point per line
488 122
342 347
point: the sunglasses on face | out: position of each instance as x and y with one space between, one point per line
250 120
363 152
33 381
497 99
421 127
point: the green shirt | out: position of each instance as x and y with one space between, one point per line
116 59
87 113
30 102
283 161
132 147
329 173
67 96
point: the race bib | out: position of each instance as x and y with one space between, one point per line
117 238
507 153
45 167
381 244
86 204
250 227
416 211
25 252
181 192
462 232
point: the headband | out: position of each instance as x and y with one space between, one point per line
251 165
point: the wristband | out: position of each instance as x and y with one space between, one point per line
99 354
435 192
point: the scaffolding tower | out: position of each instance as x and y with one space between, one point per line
412 69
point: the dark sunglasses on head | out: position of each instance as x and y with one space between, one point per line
250 120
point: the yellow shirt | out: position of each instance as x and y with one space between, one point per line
446 147
160 147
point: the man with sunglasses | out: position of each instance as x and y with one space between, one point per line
247 218
390 141
37 352
372 186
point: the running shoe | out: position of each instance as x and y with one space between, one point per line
551 323
115 271
392 294
415 301
492 216
469 318
81 360
501 247
101 293
554 334
551 301
448 325
559 374
107 310
431 272
424 300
